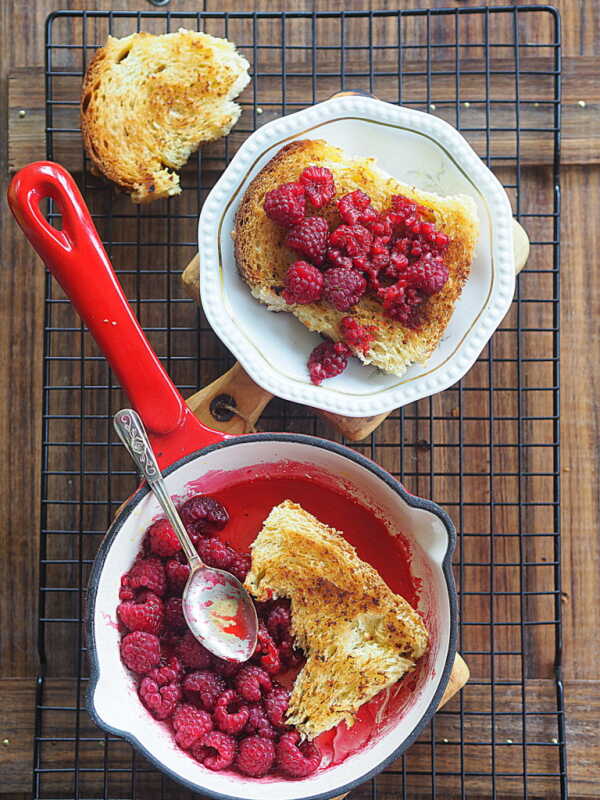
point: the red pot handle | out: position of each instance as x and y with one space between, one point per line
78 261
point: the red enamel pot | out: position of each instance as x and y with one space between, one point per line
387 524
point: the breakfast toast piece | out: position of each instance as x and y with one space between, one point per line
358 636
148 101
263 259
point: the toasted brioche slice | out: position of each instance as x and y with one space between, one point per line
149 101
263 259
358 636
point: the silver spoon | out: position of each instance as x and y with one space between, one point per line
217 608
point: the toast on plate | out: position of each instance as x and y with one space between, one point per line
149 101
358 636
263 259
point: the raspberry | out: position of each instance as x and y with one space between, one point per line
309 238
303 284
380 226
279 621
401 304
286 204
174 619
297 761
353 240
163 539
352 206
291 656
263 608
169 673
126 592
267 651
327 360
318 185
148 573
177 574
357 335
379 255
230 714
427 231
190 724
258 722
191 653
140 651
276 705
337 259
398 263
202 515
429 274
145 614
206 685
250 680
225 668
255 757
160 701
343 287
168 642
406 212
215 553
441 241
240 566
216 750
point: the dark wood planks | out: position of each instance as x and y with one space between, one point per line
580 125
21 287
583 698
580 425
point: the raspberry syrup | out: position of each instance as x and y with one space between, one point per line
250 494
250 502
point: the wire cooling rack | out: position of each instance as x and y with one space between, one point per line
486 449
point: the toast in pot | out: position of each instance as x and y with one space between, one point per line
263 258
149 101
358 636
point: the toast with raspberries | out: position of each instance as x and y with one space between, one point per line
358 636
149 101
371 264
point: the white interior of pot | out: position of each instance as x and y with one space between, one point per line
115 699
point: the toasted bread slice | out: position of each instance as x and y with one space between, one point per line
263 259
149 101
358 636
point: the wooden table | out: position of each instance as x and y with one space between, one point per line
21 296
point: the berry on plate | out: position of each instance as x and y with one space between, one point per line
327 360
309 238
343 287
319 186
303 283
286 204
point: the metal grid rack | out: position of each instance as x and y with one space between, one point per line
486 449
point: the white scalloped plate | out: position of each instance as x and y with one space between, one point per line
417 149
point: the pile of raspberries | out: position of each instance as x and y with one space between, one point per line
396 256
225 715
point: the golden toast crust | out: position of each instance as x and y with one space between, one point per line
359 637
262 258
148 101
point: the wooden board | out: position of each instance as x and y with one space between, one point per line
18 702
583 700
580 123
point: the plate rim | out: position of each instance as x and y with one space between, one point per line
468 349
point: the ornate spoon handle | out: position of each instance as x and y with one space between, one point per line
132 433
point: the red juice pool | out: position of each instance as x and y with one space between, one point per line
249 502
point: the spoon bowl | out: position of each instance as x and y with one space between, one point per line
218 610
215 610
